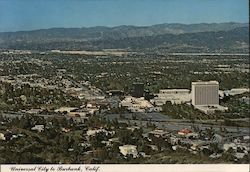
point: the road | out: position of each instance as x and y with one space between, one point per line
174 126
161 121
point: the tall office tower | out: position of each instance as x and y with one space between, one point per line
138 90
205 93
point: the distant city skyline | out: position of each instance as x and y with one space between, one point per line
18 15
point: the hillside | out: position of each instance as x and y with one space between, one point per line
173 37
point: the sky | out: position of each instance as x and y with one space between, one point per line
16 15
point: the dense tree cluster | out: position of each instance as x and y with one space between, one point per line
26 97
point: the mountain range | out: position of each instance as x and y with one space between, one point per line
172 37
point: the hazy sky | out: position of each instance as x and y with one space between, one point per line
37 14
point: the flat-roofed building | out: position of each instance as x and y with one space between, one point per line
159 133
2 137
136 104
205 93
129 150
174 91
210 109
175 96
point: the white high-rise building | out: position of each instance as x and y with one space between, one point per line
205 93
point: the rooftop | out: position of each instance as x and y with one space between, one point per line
205 82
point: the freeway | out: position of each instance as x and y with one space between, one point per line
209 54
175 126
161 121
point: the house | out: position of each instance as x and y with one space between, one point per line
159 133
144 155
227 146
246 138
14 136
194 144
184 132
129 150
174 140
114 140
85 145
215 155
174 147
107 143
155 109
153 147
65 129
38 128
95 131
66 109
239 155
133 128
192 136
2 137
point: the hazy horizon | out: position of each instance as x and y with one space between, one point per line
27 15
80 27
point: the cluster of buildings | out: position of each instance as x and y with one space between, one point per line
137 104
187 139
60 81
84 111
196 142
203 96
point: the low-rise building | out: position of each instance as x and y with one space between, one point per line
2 137
159 133
95 131
210 109
239 155
215 155
227 146
175 96
38 128
66 109
136 104
133 128
129 150
236 91
107 143
65 129
114 140
185 132
174 140
153 147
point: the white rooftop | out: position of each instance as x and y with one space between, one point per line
205 82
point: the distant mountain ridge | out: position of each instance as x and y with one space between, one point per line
161 35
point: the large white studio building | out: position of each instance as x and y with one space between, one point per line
205 96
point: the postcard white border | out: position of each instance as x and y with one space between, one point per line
126 168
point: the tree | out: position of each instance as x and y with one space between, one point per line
125 136
96 140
